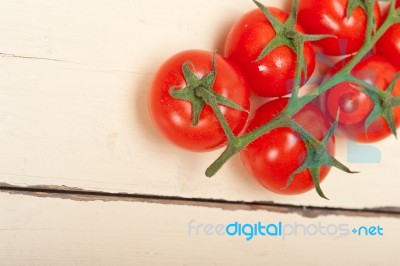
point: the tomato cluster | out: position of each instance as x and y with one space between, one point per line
200 101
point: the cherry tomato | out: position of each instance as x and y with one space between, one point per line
355 105
272 158
330 17
173 117
389 45
273 75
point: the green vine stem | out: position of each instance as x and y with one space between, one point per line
284 119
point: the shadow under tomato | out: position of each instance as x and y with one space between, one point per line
245 180
224 28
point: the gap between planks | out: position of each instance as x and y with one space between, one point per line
77 194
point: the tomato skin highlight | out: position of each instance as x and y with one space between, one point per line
173 117
329 17
355 105
389 45
273 75
272 158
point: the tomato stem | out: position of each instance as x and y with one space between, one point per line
228 153
211 100
239 143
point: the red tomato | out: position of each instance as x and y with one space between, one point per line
272 158
173 117
389 45
329 17
273 75
356 106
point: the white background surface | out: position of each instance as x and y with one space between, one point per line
73 112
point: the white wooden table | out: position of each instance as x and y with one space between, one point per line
86 180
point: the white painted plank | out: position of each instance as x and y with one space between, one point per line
83 122
45 231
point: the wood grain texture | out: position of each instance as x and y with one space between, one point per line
37 231
73 104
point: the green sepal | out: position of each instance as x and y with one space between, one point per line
388 115
317 156
287 35
375 113
193 82
384 102
368 7
275 23
276 42
353 4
